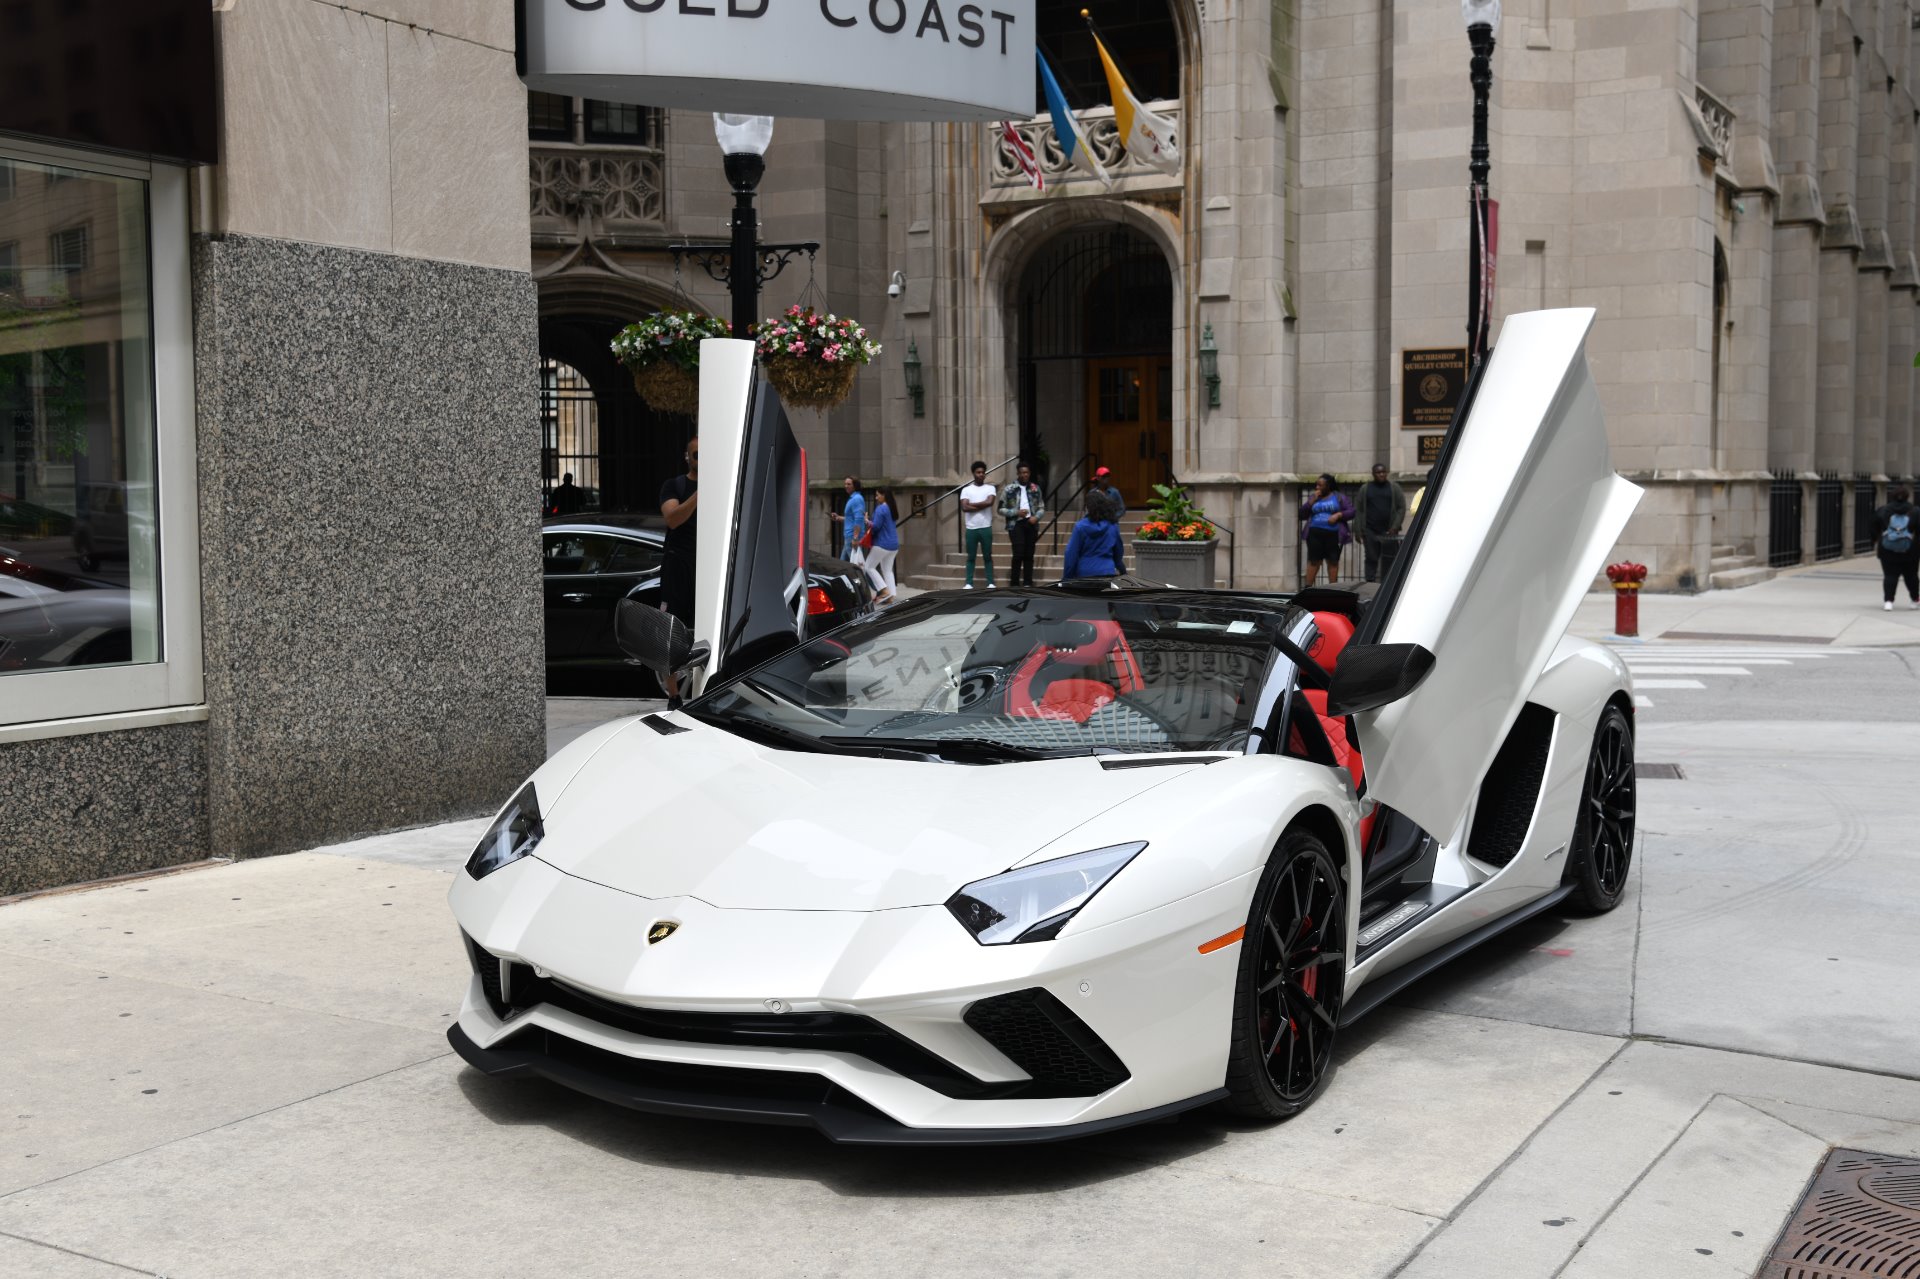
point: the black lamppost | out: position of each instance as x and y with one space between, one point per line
1483 23
743 264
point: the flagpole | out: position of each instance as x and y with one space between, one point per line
1087 17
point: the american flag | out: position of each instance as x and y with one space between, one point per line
1023 155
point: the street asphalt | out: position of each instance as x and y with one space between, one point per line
241 1070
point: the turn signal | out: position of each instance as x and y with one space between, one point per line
818 601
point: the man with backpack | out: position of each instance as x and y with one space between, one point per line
1896 538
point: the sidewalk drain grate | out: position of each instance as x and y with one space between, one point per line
1861 1216
1659 772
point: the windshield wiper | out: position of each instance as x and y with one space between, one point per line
971 746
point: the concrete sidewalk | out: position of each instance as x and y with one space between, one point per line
1833 603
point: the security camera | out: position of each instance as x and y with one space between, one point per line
897 285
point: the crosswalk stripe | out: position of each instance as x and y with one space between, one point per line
1668 683
1641 659
1643 703
1690 670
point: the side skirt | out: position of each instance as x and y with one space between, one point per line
1385 987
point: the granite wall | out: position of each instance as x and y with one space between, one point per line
101 804
369 453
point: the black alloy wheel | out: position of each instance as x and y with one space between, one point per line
1602 850
1292 979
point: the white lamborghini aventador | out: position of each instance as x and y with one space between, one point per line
1027 864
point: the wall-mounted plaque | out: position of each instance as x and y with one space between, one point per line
1430 449
1431 384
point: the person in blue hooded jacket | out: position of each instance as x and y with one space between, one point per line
1095 549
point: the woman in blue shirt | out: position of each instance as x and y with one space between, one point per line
1325 514
1095 549
886 544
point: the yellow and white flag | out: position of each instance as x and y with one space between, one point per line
1150 139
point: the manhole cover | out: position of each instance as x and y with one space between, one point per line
1659 772
1861 1217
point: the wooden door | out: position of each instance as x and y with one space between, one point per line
1130 422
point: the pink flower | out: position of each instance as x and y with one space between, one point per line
794 309
797 348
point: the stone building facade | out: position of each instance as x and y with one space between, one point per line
1731 186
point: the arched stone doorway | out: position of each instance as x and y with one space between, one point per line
1094 326
639 449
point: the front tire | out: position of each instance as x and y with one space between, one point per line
1602 851
1292 979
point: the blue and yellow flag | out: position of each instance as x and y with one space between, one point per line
1066 128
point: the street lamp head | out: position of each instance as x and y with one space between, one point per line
743 134
743 146
1481 13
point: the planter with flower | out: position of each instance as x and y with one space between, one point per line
662 352
810 358
1176 545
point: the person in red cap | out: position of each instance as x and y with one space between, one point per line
1103 483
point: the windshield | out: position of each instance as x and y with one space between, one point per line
1013 675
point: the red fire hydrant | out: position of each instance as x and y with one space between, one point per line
1626 579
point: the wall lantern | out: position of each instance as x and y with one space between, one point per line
912 366
1210 367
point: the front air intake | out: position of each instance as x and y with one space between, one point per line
1039 1034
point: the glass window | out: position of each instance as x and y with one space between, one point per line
622 122
77 421
632 555
549 117
571 553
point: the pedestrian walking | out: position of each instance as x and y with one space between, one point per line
883 543
1383 513
976 501
1103 483
1021 506
680 506
1896 539
1095 549
1326 519
852 520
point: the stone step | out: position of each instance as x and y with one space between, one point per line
1719 551
1727 563
1734 578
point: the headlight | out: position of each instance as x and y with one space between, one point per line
512 836
1032 903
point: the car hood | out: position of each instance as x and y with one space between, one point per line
705 814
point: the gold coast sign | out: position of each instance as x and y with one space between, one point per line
831 59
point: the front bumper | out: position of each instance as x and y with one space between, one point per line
755 1096
887 1027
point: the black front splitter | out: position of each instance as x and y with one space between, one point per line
754 1096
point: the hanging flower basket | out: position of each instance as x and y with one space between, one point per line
667 388
812 386
662 352
811 359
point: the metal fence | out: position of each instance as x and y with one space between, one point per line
1863 507
1829 518
1783 521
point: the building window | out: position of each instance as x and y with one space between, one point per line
549 117
67 250
99 611
622 123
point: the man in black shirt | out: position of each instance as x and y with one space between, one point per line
1383 512
680 504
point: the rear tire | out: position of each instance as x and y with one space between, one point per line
1291 983
1602 851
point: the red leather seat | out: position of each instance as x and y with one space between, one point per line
1346 754
1335 632
1076 699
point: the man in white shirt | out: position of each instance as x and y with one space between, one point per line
976 504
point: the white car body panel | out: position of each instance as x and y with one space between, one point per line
815 883
1508 551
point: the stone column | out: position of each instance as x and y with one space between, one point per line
1840 243
1798 219
1875 265
1903 283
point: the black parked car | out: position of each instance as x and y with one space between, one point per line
591 564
